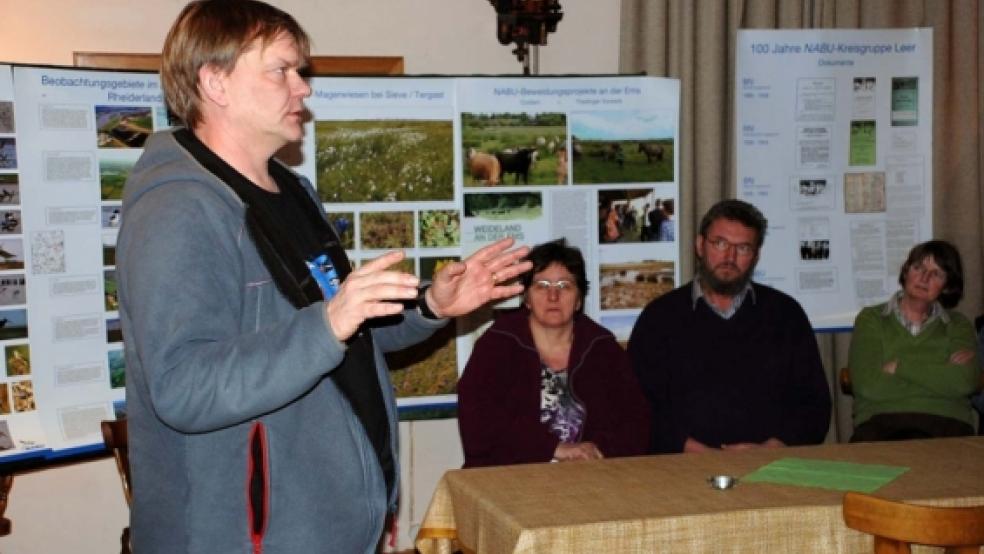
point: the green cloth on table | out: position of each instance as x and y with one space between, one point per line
826 474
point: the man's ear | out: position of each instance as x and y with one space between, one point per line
699 245
211 83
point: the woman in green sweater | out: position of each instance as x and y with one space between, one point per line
913 360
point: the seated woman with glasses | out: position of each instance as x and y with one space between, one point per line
545 382
913 360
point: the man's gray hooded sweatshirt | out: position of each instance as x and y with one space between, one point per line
238 440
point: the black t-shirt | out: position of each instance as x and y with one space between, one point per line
289 230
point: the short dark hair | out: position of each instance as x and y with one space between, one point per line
948 258
557 251
740 211
668 206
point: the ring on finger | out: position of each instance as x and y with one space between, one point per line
495 278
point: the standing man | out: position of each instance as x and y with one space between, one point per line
261 416
725 362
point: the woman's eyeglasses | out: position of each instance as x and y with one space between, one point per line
544 285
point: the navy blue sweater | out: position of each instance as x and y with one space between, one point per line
724 381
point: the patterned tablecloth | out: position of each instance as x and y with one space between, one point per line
664 503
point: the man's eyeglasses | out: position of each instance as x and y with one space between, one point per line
543 285
743 249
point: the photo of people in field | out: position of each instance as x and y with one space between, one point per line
123 126
514 149
635 215
622 147
396 160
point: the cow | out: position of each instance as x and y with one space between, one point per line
613 152
484 168
518 163
651 151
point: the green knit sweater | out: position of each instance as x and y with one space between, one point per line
925 381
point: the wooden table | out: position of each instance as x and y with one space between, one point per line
664 504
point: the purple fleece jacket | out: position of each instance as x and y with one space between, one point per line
499 395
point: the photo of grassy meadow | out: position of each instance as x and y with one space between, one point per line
112 176
632 146
384 160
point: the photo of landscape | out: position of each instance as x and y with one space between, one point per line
384 160
13 324
113 173
123 126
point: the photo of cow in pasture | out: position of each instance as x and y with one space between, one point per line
514 149
622 147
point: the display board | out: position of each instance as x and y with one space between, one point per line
834 145
399 163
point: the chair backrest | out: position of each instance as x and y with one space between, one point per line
114 435
896 525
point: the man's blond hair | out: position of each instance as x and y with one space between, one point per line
217 32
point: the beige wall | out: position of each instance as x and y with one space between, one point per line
434 36
79 508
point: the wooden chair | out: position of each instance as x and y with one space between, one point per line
897 525
114 436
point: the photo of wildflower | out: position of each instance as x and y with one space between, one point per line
344 223
386 229
384 160
440 228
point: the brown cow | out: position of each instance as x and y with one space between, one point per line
484 168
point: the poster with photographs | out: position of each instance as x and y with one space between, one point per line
834 145
75 136
435 167
593 161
